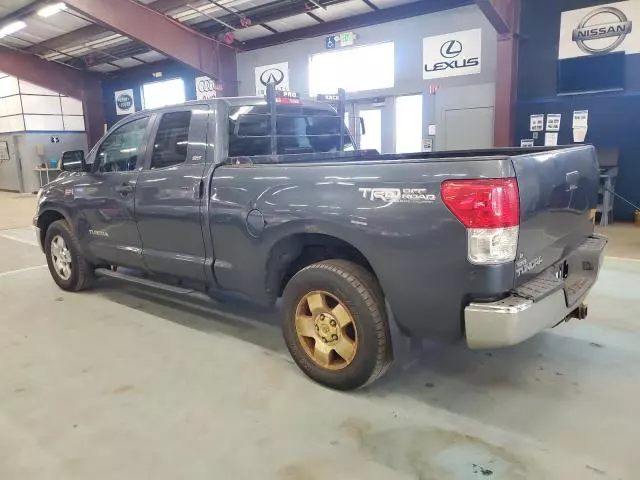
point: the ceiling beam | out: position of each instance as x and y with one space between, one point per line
371 5
90 31
71 38
265 13
496 19
363 20
58 78
159 32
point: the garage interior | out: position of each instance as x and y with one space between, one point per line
126 382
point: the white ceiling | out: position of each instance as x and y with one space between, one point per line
9 6
39 30
342 10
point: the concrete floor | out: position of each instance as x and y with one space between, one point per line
120 383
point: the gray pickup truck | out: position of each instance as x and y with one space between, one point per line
259 197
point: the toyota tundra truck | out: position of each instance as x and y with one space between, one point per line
269 198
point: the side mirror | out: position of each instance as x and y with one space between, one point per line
362 129
73 161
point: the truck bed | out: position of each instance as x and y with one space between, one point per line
374 156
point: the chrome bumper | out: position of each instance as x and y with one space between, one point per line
522 315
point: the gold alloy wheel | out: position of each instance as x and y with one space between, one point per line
326 330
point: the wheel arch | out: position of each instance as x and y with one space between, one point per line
45 218
297 250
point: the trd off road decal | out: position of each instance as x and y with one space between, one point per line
398 195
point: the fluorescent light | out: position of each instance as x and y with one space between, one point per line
12 28
52 9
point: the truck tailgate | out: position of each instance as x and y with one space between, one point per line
558 189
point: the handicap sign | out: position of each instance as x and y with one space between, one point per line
330 42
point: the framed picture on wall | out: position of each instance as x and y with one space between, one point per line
4 151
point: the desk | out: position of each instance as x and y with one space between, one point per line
46 171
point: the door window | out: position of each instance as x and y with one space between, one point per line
172 140
120 150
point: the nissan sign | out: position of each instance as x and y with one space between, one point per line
453 54
602 29
596 24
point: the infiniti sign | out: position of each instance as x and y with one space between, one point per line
276 74
601 23
272 75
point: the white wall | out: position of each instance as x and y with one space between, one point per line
460 92
28 107
407 35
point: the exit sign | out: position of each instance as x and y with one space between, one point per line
340 40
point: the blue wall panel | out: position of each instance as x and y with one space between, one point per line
136 77
614 118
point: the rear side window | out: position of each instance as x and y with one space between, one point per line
172 139
299 130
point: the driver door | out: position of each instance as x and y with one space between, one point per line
106 200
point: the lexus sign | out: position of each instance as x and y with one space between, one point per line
278 74
453 54
602 29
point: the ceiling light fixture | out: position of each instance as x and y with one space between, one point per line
49 10
12 28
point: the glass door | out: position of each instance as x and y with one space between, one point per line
368 116
408 131
371 137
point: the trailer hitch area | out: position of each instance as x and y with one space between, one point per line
580 312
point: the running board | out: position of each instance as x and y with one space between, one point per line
103 272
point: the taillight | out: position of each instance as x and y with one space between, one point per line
490 210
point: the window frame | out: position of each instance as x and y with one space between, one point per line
282 114
143 151
198 130
154 134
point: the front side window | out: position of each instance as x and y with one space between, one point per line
120 150
172 140
298 130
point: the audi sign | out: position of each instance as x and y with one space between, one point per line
205 88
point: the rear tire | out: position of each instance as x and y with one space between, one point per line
68 267
335 324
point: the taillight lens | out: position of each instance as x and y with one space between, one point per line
493 203
490 210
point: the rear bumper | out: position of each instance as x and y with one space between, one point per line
533 308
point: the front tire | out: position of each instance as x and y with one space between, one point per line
335 325
68 267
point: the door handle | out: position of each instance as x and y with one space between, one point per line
198 189
124 189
